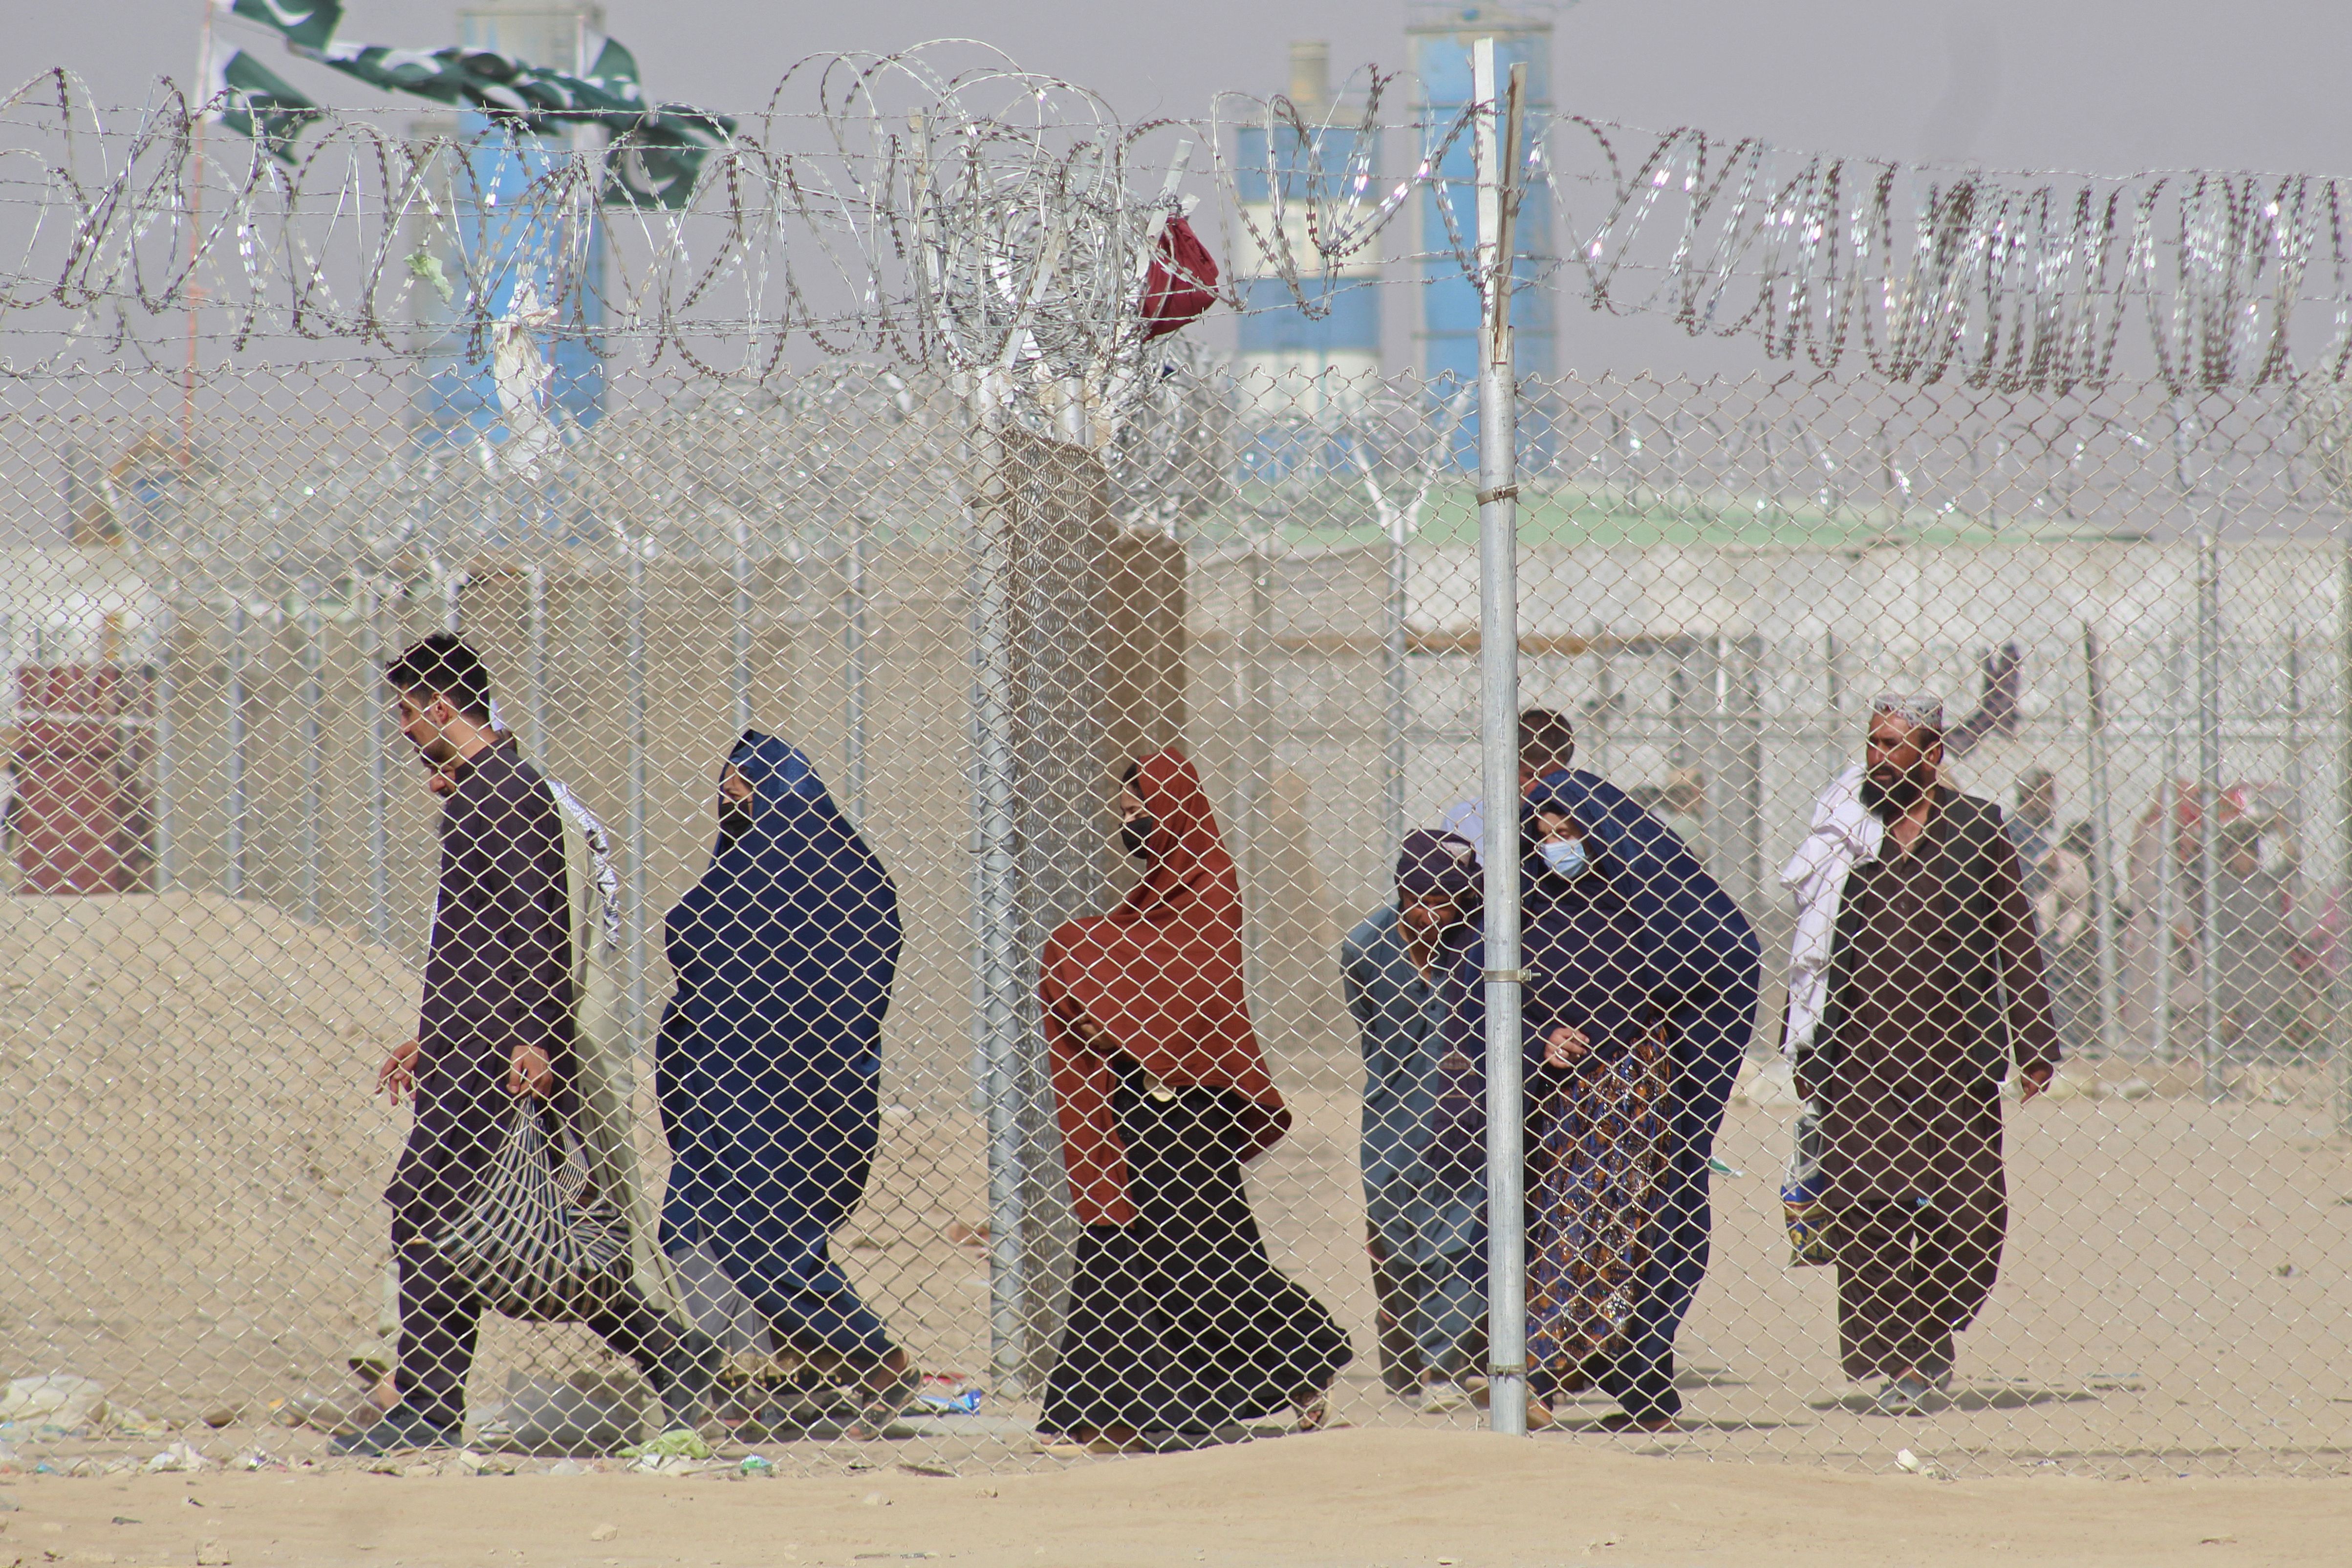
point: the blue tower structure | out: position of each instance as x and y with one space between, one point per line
528 250
1286 345
523 245
1441 37
1298 368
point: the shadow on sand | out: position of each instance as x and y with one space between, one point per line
1973 1400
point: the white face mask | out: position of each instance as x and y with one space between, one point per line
1564 857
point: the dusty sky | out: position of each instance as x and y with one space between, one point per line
2106 86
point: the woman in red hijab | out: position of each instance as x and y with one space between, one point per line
1179 1323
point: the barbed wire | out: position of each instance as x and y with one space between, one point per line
2001 280
943 207
982 219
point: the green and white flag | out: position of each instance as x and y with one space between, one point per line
655 162
654 155
255 102
310 23
499 84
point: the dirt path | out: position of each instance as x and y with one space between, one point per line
1342 1498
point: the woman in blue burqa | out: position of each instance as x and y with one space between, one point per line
1639 998
769 1058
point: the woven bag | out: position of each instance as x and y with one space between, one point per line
528 1245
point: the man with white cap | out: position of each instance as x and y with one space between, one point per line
1915 983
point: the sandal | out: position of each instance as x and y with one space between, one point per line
887 1392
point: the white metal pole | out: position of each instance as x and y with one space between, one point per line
1257 762
314 752
2340 984
2298 765
855 673
2168 856
233 834
2105 889
740 672
535 659
379 753
166 690
2208 807
1399 674
633 900
1498 696
996 928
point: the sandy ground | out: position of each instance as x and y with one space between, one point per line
194 1166
2174 1296
184 1122
1352 1498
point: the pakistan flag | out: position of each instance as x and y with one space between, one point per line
653 155
256 101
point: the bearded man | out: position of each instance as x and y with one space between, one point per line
1915 985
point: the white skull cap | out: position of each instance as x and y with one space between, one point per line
1915 708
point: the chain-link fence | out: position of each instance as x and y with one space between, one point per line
224 855
973 919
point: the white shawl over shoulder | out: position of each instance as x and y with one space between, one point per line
1845 834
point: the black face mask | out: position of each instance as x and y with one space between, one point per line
1135 836
1888 800
734 817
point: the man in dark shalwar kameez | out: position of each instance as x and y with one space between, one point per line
1934 989
496 1022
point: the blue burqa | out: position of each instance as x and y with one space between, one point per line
1707 966
769 1060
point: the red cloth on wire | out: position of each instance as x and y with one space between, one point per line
1183 282
1162 976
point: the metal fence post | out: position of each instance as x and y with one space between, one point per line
167 682
2167 859
2105 886
2298 765
633 900
1498 728
854 673
2209 809
379 755
2341 986
996 914
1256 762
535 659
314 750
232 881
739 674
1398 673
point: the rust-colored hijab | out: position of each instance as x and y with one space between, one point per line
1162 976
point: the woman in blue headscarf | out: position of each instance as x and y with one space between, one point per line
769 1058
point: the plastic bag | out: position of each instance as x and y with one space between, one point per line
1801 1204
60 1400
